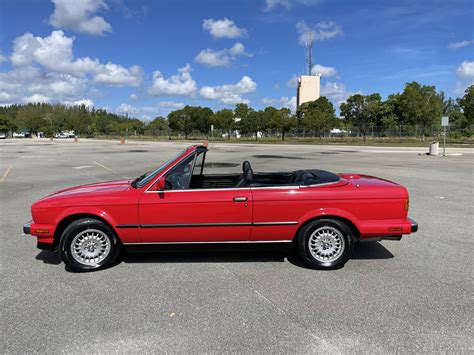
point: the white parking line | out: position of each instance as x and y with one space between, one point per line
106 167
82 167
2 179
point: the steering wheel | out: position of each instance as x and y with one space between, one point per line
177 179
177 182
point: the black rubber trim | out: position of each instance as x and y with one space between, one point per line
27 228
414 225
392 237
45 246
370 239
181 225
186 225
264 224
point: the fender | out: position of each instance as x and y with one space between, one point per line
336 212
93 210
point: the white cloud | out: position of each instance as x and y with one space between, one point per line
5 98
238 49
322 31
211 58
26 83
126 109
287 4
45 69
115 74
171 104
222 58
86 102
466 70
181 84
336 92
78 15
461 44
55 54
37 98
288 102
229 94
324 71
223 28
133 97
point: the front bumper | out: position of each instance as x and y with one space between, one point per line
27 228
44 234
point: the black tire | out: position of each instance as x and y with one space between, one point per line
343 241
88 227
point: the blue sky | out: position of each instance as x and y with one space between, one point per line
149 57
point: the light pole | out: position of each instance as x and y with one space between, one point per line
126 128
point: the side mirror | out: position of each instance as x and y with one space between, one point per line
161 183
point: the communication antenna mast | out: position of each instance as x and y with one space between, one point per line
309 52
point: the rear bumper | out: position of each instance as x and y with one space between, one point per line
414 225
382 228
387 230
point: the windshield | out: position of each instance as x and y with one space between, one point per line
145 178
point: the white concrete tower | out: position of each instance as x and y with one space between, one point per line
309 88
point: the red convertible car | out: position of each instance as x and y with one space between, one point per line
324 214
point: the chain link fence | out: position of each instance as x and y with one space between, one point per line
344 133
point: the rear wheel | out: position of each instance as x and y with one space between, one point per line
88 244
325 243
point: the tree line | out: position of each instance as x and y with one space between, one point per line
418 105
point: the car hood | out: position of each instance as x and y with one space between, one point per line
96 188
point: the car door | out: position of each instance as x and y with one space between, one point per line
276 212
180 214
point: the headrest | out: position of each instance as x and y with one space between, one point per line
248 176
246 166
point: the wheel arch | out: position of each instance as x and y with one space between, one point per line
353 227
68 219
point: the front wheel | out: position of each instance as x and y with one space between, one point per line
88 244
325 243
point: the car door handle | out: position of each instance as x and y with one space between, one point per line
240 199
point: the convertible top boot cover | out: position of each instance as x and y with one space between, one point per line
314 177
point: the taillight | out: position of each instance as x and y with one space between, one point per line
407 204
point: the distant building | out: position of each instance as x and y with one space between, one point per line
309 88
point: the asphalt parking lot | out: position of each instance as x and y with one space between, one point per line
409 296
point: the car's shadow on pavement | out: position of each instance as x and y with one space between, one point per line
243 253
227 254
208 254
49 257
